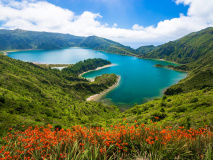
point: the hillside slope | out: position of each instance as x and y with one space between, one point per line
192 110
21 39
102 44
33 95
194 50
146 49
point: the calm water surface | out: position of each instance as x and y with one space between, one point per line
140 80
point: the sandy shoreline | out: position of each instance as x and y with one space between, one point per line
99 68
98 96
7 52
164 60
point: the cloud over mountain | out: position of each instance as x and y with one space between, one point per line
43 16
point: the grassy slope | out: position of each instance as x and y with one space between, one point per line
145 49
20 40
193 109
32 95
195 50
102 44
198 79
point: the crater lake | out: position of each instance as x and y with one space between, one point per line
140 80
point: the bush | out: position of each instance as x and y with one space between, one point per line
2 99
193 100
164 97
180 109
160 115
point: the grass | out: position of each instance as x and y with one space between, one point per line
193 109
55 65
120 141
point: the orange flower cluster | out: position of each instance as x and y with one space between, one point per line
46 143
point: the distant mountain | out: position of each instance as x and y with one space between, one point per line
21 39
146 49
102 44
194 50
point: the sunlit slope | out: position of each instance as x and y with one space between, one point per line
102 44
21 39
31 95
194 50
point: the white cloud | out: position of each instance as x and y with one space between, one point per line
44 16
115 25
137 27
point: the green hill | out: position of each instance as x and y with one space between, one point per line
145 49
86 65
21 39
191 110
194 50
33 95
102 44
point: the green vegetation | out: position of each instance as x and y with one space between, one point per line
170 66
159 65
188 103
86 65
146 49
102 44
33 95
55 65
21 40
197 80
194 50
191 110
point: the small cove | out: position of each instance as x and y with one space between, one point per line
140 80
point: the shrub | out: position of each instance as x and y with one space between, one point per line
193 100
2 99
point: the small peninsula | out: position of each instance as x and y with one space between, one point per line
159 65
84 66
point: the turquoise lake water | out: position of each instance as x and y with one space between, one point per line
140 80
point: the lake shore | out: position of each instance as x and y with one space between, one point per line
165 61
98 96
17 50
99 68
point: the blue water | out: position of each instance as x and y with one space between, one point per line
140 80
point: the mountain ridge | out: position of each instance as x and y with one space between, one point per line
192 50
21 40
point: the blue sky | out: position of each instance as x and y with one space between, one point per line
126 13
130 22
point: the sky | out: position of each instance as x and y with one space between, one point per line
131 22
